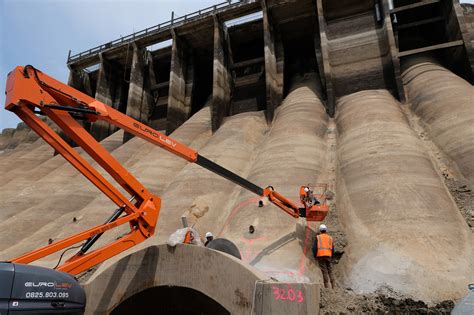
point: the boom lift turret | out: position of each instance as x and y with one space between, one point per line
30 92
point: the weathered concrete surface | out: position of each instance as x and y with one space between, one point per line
222 82
34 163
46 180
183 266
244 291
458 26
181 84
468 14
359 51
80 80
391 60
290 155
140 101
23 159
404 229
445 103
325 64
286 298
274 56
200 194
62 191
106 85
80 199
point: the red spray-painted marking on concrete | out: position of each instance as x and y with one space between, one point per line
234 211
305 249
248 253
288 295
282 272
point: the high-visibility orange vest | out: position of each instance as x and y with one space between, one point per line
324 245
187 238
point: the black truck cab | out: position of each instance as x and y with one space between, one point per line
28 290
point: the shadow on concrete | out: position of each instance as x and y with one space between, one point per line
143 278
273 247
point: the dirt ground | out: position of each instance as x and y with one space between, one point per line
344 301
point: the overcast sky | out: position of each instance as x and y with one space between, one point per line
42 32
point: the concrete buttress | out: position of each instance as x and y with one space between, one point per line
404 228
274 56
222 81
140 99
181 84
445 103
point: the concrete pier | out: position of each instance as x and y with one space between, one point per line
222 81
274 56
140 101
106 85
80 80
181 84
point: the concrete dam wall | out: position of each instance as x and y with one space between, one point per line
444 103
373 98
394 204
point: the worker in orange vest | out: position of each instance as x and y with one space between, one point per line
307 197
188 238
323 250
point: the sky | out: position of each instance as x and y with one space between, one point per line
41 32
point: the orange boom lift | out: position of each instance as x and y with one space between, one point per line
30 92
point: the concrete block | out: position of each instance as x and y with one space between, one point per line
286 298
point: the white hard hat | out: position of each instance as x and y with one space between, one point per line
323 227
306 189
209 234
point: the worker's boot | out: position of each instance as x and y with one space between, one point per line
326 285
333 284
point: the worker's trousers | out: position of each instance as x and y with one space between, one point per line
325 266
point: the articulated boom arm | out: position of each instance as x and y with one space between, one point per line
29 92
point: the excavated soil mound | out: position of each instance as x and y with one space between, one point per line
341 301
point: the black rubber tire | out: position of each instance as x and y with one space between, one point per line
225 246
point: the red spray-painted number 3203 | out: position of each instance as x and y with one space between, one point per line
287 295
